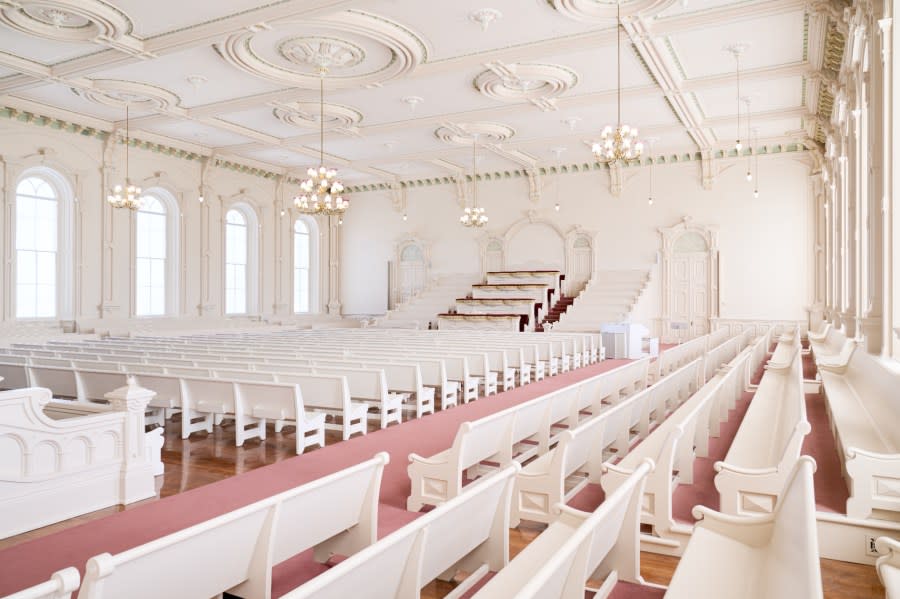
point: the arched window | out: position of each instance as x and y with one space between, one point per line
236 257
151 246
37 237
302 255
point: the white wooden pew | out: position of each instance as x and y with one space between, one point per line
576 547
561 473
888 565
235 552
60 586
331 394
14 373
370 387
60 380
673 446
774 555
768 442
863 401
436 479
168 395
468 533
282 402
205 399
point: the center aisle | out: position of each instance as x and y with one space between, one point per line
34 561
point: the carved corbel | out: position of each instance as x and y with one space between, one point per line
534 186
616 179
462 191
398 197
707 169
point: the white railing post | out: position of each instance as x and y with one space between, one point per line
138 465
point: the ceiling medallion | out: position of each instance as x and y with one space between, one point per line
316 51
306 114
605 10
464 134
116 93
363 49
518 82
67 20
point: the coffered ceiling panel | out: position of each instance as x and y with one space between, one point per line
451 33
771 40
176 72
765 129
197 133
63 96
765 96
42 50
697 6
154 17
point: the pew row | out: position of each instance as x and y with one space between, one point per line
578 546
863 403
468 533
235 552
773 555
769 440
672 446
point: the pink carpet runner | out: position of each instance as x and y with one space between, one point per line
34 561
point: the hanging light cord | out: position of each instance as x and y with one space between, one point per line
619 63
737 61
474 183
126 144
322 117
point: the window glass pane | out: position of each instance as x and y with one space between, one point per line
36 240
301 266
150 245
235 263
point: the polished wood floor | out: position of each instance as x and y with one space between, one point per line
208 458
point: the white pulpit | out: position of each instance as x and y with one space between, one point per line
626 340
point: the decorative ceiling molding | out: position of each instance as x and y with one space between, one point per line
306 115
73 21
532 82
463 134
118 94
592 11
370 48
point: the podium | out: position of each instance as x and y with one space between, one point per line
624 340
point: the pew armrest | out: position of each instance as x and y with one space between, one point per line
415 458
726 467
754 530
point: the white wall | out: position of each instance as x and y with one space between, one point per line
103 253
764 242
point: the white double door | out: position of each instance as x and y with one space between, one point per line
690 292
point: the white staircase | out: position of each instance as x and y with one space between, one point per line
609 296
437 298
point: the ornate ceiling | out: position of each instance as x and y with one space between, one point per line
411 81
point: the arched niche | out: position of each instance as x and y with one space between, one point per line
690 279
493 254
579 260
410 269
535 244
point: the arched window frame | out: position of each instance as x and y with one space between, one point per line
173 255
65 244
251 219
313 229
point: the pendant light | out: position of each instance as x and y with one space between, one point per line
127 195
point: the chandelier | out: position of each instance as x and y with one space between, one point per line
474 216
321 192
619 144
127 195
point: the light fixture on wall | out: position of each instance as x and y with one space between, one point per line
473 216
747 100
322 192
737 50
650 143
619 144
558 152
127 195
756 162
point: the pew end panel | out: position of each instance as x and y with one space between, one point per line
888 565
874 480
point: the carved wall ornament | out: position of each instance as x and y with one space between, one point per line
66 20
462 134
358 49
532 82
138 96
306 115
